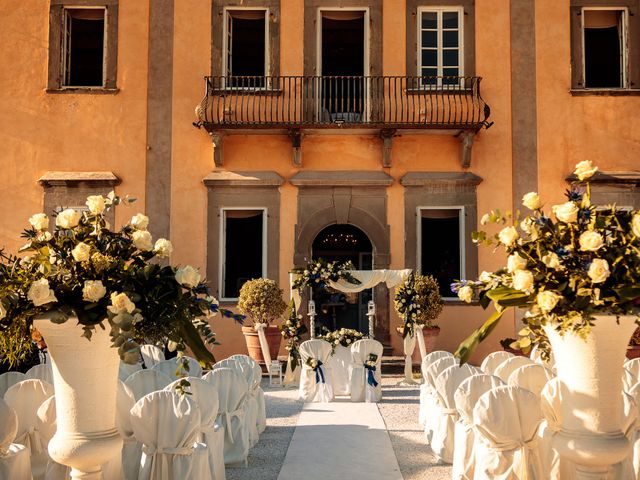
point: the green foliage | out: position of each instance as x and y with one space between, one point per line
291 330
320 272
261 299
418 301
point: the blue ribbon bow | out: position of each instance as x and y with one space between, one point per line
319 372
371 379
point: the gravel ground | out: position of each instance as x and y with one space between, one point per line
399 409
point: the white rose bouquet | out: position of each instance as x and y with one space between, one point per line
82 269
561 268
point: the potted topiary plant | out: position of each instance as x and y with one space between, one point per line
261 300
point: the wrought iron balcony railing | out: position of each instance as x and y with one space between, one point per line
384 102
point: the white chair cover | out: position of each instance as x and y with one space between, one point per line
635 438
212 435
232 391
366 382
151 355
258 393
131 447
506 368
629 378
424 387
168 425
506 442
42 372
315 385
15 463
531 377
445 413
143 382
432 372
233 364
624 469
126 370
8 380
341 365
465 397
173 368
553 466
25 398
491 361
536 356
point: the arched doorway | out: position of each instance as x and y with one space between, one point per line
336 310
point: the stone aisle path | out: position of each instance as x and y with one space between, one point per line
340 440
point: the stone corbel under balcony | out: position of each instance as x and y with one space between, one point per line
217 138
466 138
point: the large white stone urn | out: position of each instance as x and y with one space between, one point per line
590 372
85 375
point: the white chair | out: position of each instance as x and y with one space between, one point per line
168 425
232 391
553 466
25 398
506 421
8 380
631 373
42 372
366 378
125 370
174 369
131 447
635 440
341 365
506 368
315 382
15 463
465 398
624 469
445 413
491 361
531 377
143 382
258 393
425 388
211 434
432 372
151 355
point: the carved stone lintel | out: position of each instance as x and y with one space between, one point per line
466 142
218 140
387 140
296 143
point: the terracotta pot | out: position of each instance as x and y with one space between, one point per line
590 374
633 351
85 377
430 335
253 342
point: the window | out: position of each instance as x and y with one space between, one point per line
605 47
440 40
246 47
441 245
243 248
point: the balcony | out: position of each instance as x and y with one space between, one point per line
384 104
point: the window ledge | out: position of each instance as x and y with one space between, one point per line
71 179
84 90
605 92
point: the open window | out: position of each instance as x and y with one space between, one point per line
246 47
440 45
604 39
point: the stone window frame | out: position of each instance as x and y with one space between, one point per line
56 29
608 188
218 30
469 32
444 190
633 45
250 190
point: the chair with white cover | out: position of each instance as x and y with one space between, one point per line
491 361
635 439
9 379
624 469
131 447
143 382
315 376
42 371
125 370
25 398
232 392
425 388
536 356
15 463
432 372
506 421
553 466
466 397
257 392
531 377
341 365
506 368
173 367
366 378
631 373
445 413
211 434
151 355
168 424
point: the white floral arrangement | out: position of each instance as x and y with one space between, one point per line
343 336
320 272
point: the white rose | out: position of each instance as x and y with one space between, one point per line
551 260
39 293
547 300
508 236
465 293
81 252
516 262
485 277
599 270
485 219
93 290
585 169
39 221
120 303
96 204
140 221
142 240
591 241
163 248
188 276
68 218
532 201
523 280
566 212
3 311
635 224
